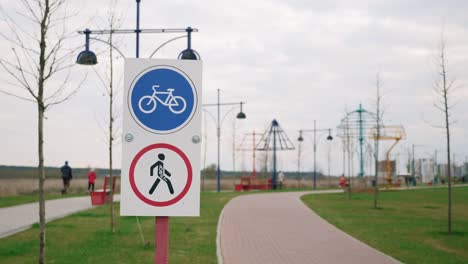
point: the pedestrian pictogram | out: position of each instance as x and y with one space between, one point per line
161 174
162 99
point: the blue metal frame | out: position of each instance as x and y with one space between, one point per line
189 53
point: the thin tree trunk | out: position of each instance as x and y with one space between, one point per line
111 139
449 174
41 109
41 170
376 176
447 126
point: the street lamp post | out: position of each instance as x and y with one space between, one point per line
218 121
315 130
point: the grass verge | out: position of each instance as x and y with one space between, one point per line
410 226
85 237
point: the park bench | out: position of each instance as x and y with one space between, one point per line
247 184
102 196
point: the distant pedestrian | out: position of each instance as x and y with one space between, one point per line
281 179
66 177
91 180
342 181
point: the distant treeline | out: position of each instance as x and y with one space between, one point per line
210 173
13 172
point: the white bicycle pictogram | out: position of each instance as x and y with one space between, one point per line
148 103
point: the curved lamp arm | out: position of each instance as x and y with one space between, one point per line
164 44
103 41
210 114
226 114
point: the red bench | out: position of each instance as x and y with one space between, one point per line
102 196
247 184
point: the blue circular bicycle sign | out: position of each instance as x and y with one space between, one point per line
162 99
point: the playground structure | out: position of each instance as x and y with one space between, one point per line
273 139
396 133
355 125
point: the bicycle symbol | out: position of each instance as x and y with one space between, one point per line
148 103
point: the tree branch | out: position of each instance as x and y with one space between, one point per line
17 96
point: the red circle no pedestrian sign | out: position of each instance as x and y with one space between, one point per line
160 174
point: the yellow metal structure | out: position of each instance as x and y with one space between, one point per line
396 133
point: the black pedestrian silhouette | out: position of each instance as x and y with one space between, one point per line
161 173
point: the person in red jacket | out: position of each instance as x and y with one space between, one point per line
91 180
343 182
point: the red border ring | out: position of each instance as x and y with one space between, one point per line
132 174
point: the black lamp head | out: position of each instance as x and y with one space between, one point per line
300 138
189 54
241 115
329 137
86 57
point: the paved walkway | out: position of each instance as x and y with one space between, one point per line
18 218
279 228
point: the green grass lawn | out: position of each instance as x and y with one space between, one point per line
31 198
86 238
410 226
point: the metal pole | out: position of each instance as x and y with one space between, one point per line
315 154
189 37
137 31
344 156
254 174
329 154
87 32
218 134
436 169
274 157
361 139
413 169
299 163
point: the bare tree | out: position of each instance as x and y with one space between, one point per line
378 124
39 54
109 85
443 88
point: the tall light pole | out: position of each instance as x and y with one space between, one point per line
299 152
315 130
219 121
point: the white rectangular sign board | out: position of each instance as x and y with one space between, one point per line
161 138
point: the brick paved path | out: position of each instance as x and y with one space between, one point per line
279 228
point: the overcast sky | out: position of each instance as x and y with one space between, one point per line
296 61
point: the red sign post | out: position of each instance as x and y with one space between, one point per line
161 243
